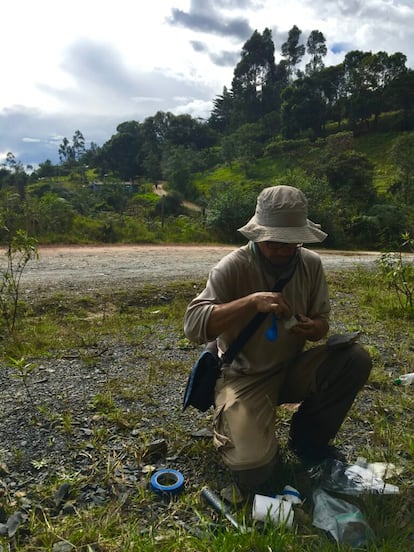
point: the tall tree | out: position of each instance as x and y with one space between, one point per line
292 51
367 77
254 73
222 113
303 108
177 169
78 145
46 169
18 176
164 130
316 48
123 153
400 95
154 130
65 151
187 131
331 82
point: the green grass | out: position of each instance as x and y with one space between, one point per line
376 146
379 426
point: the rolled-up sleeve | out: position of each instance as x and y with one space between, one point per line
199 310
220 288
196 320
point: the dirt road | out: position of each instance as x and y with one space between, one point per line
89 268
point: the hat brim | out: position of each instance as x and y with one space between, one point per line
309 233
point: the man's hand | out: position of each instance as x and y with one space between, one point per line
272 302
226 314
312 329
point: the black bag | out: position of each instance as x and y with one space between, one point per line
341 341
201 382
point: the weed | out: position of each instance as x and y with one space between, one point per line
398 272
67 423
18 456
103 403
21 249
39 464
22 371
100 435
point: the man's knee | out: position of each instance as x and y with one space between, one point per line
360 362
244 434
352 363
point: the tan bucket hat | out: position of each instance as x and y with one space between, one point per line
281 216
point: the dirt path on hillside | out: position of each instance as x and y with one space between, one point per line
89 268
159 190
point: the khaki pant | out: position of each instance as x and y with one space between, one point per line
324 381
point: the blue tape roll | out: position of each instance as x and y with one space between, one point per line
167 481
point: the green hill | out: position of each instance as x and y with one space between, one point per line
282 157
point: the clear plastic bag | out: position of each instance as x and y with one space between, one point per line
352 479
342 520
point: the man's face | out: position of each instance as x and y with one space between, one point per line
278 253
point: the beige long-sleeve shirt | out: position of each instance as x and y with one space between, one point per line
239 274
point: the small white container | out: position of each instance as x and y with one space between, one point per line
279 512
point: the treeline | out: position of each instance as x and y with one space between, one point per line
266 100
272 114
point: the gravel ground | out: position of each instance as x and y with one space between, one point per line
89 268
52 430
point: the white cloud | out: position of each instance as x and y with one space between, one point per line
90 65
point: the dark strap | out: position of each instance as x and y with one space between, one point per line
253 325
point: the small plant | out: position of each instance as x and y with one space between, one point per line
39 464
67 423
103 403
21 249
18 456
398 272
22 371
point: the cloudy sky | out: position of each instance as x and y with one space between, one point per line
89 65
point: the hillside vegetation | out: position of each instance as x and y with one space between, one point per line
343 134
356 187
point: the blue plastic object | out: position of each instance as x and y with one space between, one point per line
167 481
271 332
